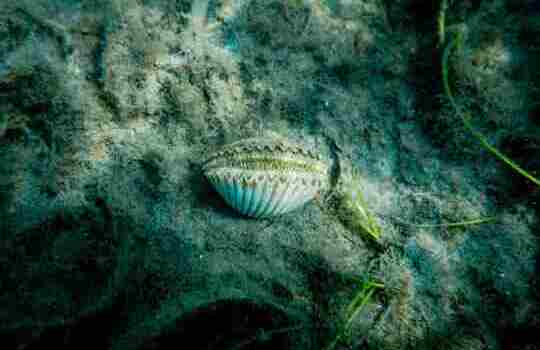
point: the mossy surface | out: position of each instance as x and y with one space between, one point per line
111 237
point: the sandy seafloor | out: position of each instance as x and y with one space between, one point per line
111 237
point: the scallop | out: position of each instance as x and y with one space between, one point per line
263 177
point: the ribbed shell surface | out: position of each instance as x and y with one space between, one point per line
266 177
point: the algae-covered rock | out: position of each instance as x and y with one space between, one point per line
111 236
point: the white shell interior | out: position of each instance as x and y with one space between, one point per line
263 194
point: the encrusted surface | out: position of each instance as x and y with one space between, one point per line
105 220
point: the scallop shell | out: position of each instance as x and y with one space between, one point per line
262 177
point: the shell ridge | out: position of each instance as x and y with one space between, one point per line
265 177
294 196
255 196
285 199
298 196
266 209
243 189
263 193
250 196
282 195
236 194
